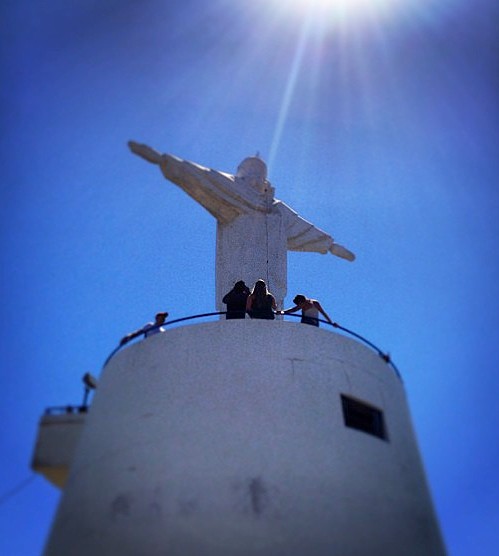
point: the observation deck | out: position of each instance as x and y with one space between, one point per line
60 427
245 437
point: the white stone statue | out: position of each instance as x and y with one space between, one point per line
254 230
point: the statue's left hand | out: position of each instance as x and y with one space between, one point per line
146 152
342 252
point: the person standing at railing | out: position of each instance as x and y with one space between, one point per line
149 329
310 309
236 301
261 303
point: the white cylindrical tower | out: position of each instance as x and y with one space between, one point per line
247 437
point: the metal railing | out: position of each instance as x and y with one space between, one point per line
385 356
66 409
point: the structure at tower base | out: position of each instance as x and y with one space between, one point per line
247 437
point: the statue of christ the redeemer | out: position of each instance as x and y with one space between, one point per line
254 230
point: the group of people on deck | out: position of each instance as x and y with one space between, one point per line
259 303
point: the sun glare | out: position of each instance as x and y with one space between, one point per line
314 23
338 10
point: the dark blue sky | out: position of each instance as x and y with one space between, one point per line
381 131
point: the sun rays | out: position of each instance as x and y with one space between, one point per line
331 39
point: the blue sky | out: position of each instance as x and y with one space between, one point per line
380 128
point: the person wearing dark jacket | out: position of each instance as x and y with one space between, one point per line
236 301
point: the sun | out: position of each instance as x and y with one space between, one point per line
338 10
330 5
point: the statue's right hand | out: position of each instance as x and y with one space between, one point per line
144 151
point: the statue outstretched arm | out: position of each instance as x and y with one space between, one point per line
146 152
216 191
343 252
304 236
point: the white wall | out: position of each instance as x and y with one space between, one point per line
228 438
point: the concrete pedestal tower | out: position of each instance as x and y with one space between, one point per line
247 438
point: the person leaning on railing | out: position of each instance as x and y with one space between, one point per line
148 329
310 309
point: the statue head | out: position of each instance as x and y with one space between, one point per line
253 172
